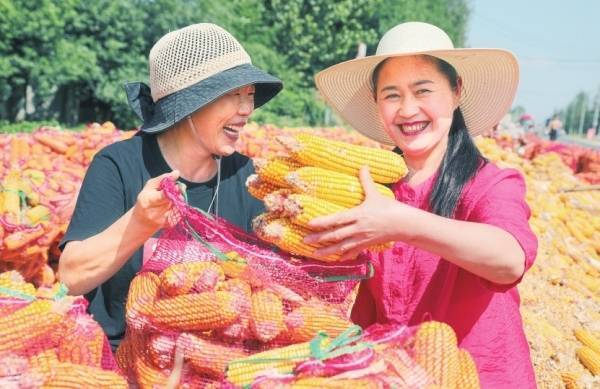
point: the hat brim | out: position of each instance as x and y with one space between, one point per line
489 82
175 107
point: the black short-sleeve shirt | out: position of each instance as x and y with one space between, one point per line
110 188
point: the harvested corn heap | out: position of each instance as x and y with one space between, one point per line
318 178
560 294
47 340
385 356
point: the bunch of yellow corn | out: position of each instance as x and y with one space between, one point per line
319 177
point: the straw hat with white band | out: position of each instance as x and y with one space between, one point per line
489 79
190 68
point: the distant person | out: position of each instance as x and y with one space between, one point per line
554 127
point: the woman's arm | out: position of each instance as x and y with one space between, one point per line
88 263
485 250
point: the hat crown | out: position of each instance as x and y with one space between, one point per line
191 54
413 37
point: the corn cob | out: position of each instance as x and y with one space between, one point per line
36 214
437 352
26 324
240 329
333 383
569 379
161 350
14 281
305 322
287 236
590 359
196 311
44 361
588 339
81 342
338 188
181 278
275 169
124 354
207 357
148 376
259 188
301 209
140 300
385 166
282 360
68 375
266 316
468 377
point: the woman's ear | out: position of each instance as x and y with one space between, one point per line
458 92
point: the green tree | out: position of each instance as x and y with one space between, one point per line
68 60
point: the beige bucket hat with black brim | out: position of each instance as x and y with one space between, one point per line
489 79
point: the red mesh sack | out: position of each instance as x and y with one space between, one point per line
215 294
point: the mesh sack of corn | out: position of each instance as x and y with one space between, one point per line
214 293
384 356
48 340
318 177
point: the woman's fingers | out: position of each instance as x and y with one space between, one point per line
331 236
335 220
338 248
367 182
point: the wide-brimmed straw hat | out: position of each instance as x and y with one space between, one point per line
190 68
489 79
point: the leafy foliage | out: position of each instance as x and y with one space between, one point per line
68 60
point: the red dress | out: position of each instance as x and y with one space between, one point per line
411 285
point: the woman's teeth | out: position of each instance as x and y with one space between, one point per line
232 130
413 128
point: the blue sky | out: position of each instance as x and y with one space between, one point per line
557 44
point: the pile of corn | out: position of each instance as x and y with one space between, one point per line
47 340
560 295
318 177
428 358
213 312
40 176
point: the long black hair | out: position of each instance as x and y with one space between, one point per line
461 160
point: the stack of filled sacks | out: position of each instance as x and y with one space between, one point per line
319 177
47 340
385 356
214 294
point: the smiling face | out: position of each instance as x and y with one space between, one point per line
218 125
416 103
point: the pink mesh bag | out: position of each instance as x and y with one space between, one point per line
47 337
213 293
